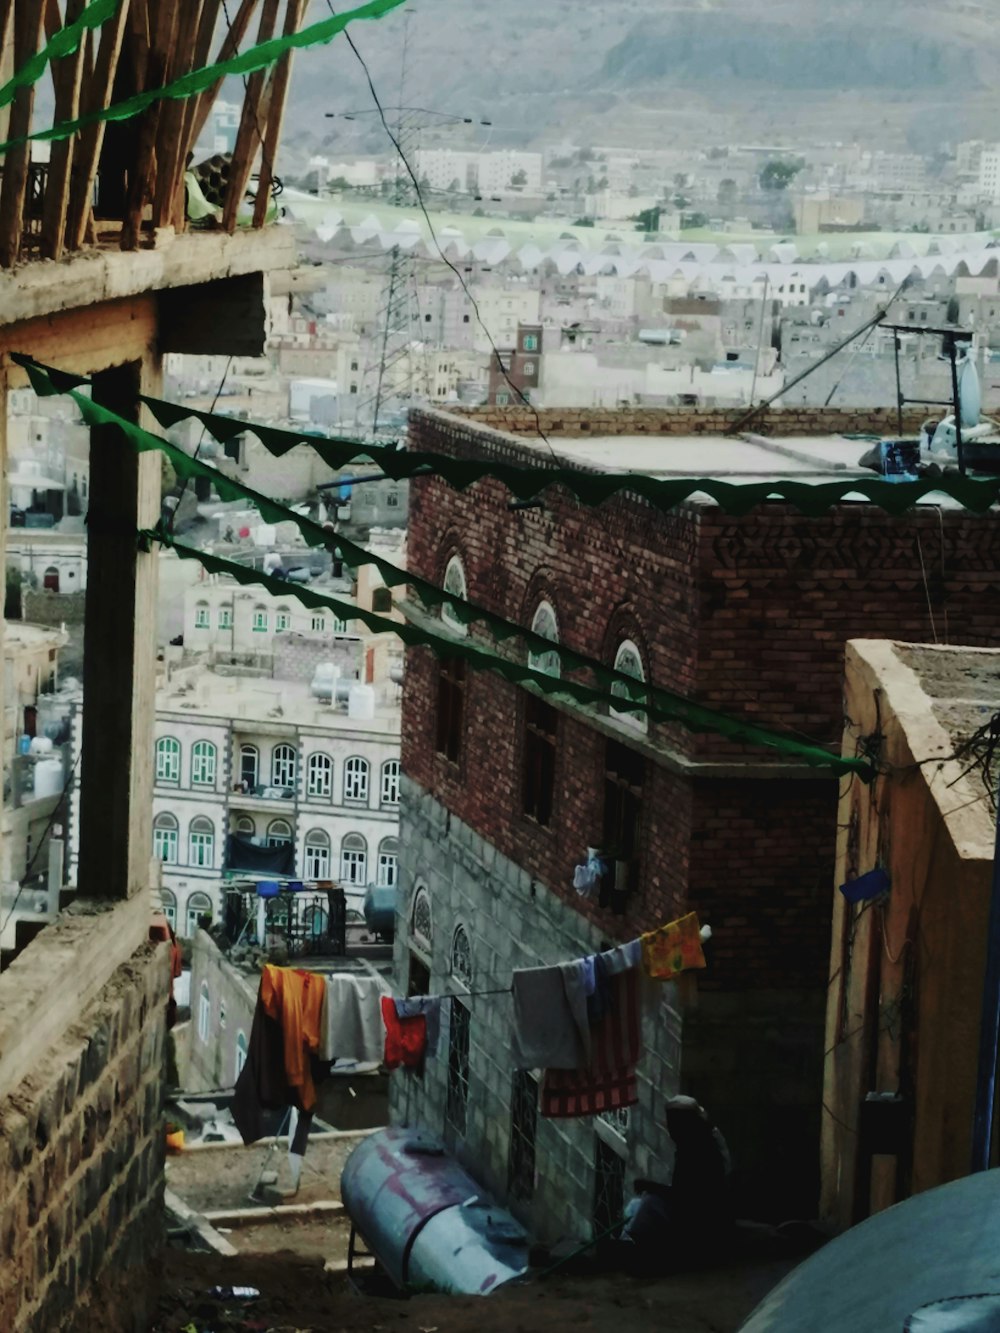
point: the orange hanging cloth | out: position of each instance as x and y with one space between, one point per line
673 949
295 1000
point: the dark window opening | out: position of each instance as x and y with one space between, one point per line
382 599
523 1128
451 708
419 980
458 1067
624 779
539 759
609 1187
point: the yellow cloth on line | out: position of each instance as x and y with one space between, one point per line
673 949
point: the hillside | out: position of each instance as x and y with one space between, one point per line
639 71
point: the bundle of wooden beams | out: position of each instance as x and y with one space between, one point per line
145 45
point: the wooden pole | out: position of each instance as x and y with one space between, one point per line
252 124
68 80
229 47
203 50
16 164
169 145
276 114
163 40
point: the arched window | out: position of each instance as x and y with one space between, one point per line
168 759
225 617
390 782
50 579
420 919
283 767
165 839
203 762
319 776
204 1012
201 844
249 765
545 624
461 957
168 905
279 833
242 1047
201 616
356 772
354 859
454 584
198 905
318 622
282 618
317 854
387 870
628 661
245 826
382 600
260 618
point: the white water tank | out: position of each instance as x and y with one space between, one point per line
48 778
41 745
361 702
324 681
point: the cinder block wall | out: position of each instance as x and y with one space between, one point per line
81 1162
691 420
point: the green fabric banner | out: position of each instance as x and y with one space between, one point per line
482 658
200 80
62 43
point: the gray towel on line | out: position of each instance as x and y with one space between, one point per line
352 1019
551 1030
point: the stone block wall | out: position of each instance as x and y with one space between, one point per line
81 1163
514 921
53 608
296 657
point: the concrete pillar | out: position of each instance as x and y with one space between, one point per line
116 773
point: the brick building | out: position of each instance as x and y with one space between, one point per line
748 614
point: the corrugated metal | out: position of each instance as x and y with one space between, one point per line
425 1219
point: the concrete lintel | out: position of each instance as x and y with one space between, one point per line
48 986
47 287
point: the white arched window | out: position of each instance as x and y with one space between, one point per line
249 765
356 772
202 619
168 759
242 1049
198 905
544 623
390 782
204 1012
203 764
461 957
165 839
387 870
260 618
318 622
317 854
279 833
282 618
168 905
420 919
245 826
319 777
628 661
354 859
201 843
283 767
454 584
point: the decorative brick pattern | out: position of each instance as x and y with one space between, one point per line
690 420
81 1162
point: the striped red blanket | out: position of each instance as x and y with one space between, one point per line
609 1083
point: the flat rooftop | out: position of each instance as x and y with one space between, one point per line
260 704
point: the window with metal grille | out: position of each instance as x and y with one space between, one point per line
609 1187
390 782
356 772
319 776
203 761
523 1127
539 759
283 766
458 1067
624 778
451 707
168 760
461 957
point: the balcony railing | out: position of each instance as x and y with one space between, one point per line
307 922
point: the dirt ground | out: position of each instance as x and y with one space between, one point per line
297 1296
325 1237
209 1179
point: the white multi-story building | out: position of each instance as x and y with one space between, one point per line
485 172
989 172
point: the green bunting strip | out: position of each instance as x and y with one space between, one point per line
481 658
63 43
659 702
255 58
813 500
